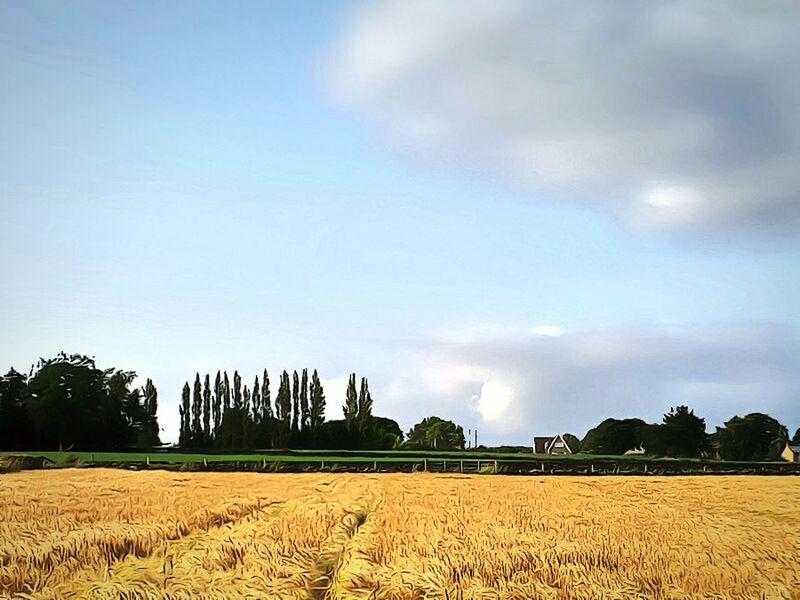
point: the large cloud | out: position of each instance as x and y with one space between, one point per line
514 386
682 115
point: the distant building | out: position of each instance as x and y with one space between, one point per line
791 453
551 445
639 450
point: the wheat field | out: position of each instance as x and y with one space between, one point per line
102 533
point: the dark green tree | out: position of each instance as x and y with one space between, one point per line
753 437
16 428
305 412
614 436
150 434
796 438
364 413
434 433
186 429
197 411
75 405
255 410
682 434
266 399
207 410
217 410
350 407
237 390
226 392
317 402
295 401
573 442
283 411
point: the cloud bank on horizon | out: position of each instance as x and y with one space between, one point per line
524 383
680 116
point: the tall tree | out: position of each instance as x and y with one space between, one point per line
226 393
295 400
256 408
197 410
217 410
364 406
150 432
682 434
317 402
207 409
350 407
266 400
16 429
237 390
245 418
283 408
305 412
186 430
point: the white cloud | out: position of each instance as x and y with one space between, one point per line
514 387
682 115
335 392
547 330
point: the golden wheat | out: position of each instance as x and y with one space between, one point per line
114 534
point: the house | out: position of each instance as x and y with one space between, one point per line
791 453
634 451
551 445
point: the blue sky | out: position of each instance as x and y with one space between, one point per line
386 189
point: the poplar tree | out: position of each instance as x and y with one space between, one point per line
283 407
266 400
305 413
226 394
351 403
364 406
295 400
217 402
206 408
256 408
317 402
197 403
184 410
150 394
237 390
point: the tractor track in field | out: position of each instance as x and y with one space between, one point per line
324 569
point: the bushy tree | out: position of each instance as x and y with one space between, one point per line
682 434
573 442
73 404
753 437
16 429
614 436
435 433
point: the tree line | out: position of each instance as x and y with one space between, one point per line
67 402
229 414
682 434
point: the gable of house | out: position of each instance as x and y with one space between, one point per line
791 453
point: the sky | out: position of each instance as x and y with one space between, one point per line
519 216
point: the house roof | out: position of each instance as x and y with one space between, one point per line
794 448
543 444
